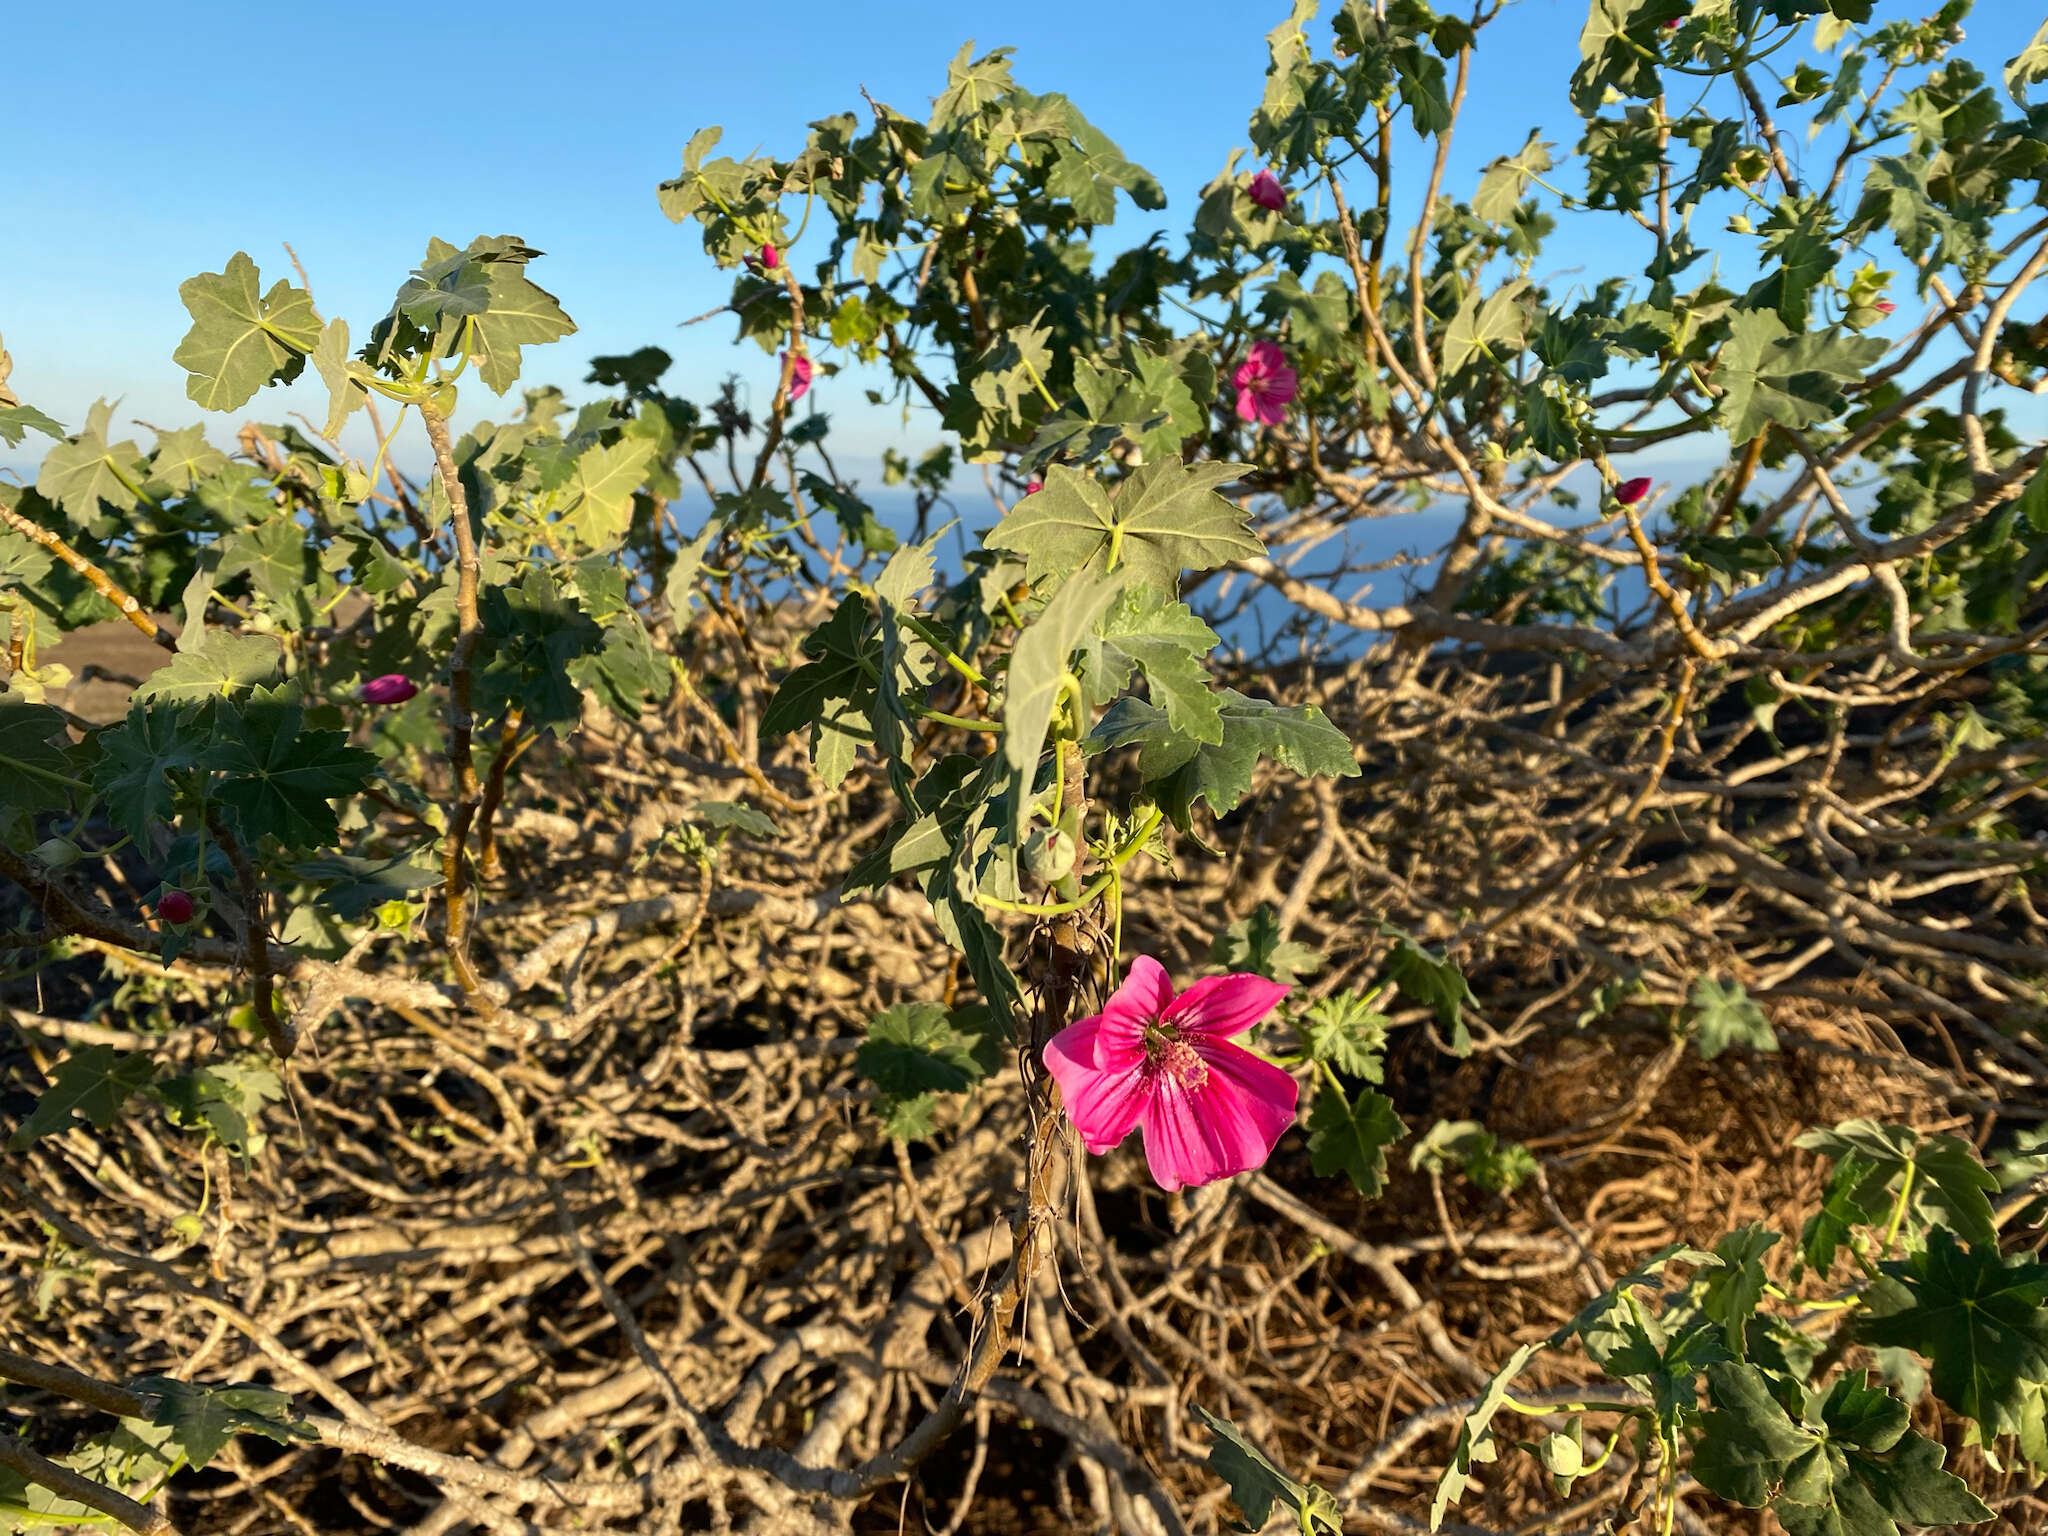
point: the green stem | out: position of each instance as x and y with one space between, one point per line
958 663
1102 882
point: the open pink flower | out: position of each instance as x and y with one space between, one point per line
1164 1064
1266 191
391 688
799 377
1629 492
1265 384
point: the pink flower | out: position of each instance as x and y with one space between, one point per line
1629 492
1884 306
391 688
799 376
1673 24
175 908
1265 384
1267 192
1151 1060
1033 487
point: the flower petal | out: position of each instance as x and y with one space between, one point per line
1217 1007
1266 356
1146 993
1105 1103
1227 1126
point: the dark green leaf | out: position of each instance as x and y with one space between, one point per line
1257 1483
93 1082
1352 1136
241 338
202 1419
1723 1015
278 778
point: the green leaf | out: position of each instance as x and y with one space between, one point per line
1949 1186
1352 1136
36 774
355 886
240 341
1979 1320
83 472
93 1082
277 778
1493 325
1619 46
1038 666
1257 1483
202 1419
1857 1472
219 666
1506 179
275 556
1771 375
1254 944
138 758
735 815
1429 978
1154 635
830 693
1723 1015
916 1048
2027 67
1475 1436
182 459
224 1100
520 313
1165 519
1181 771
343 376
1347 1033
1733 1291
599 496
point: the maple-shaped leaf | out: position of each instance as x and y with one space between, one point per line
1345 1031
1724 1015
93 1082
94 481
1771 375
1159 637
219 666
828 694
36 768
1351 1136
1855 1470
202 1419
917 1048
1429 978
1257 1483
1165 519
1181 771
182 459
242 338
1038 667
1476 1444
1942 1179
278 778
1979 1319
138 760
1254 944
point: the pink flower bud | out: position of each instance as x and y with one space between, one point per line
391 688
769 258
174 907
1266 191
799 376
1629 492
1884 306
1673 24
1033 487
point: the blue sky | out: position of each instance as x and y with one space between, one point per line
168 137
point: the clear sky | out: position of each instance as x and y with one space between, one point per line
151 142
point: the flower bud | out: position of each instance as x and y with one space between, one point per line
1049 854
1266 191
1629 492
175 908
1033 487
391 688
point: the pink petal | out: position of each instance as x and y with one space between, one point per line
1145 995
1249 407
1105 1103
1266 356
1227 1126
1217 1007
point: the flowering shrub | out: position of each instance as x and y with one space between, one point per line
1799 698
